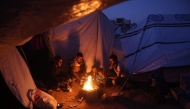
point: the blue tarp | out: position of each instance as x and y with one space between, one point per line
158 41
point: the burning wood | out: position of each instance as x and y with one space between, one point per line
89 90
88 84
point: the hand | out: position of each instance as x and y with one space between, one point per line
69 80
110 67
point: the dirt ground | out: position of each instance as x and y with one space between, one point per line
133 96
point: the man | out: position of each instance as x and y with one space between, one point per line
77 68
114 71
55 75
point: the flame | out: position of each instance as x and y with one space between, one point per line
88 84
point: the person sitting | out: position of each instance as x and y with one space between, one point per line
158 81
56 76
94 72
77 68
100 78
114 72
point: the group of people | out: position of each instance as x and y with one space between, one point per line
111 76
77 72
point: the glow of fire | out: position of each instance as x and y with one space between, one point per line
88 84
85 7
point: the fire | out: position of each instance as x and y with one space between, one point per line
88 84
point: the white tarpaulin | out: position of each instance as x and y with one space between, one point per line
159 41
93 35
16 74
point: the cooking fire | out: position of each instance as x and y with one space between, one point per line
89 90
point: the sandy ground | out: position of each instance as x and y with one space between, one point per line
133 97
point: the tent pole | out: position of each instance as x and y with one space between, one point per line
96 39
123 85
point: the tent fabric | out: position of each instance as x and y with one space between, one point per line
16 74
24 18
158 41
171 75
118 51
92 35
20 20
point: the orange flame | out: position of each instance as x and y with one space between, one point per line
88 84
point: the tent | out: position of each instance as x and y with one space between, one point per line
16 74
92 35
161 40
21 20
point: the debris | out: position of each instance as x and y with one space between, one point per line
42 99
80 100
59 105
70 106
103 97
75 105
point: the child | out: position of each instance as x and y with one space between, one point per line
100 78
93 72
